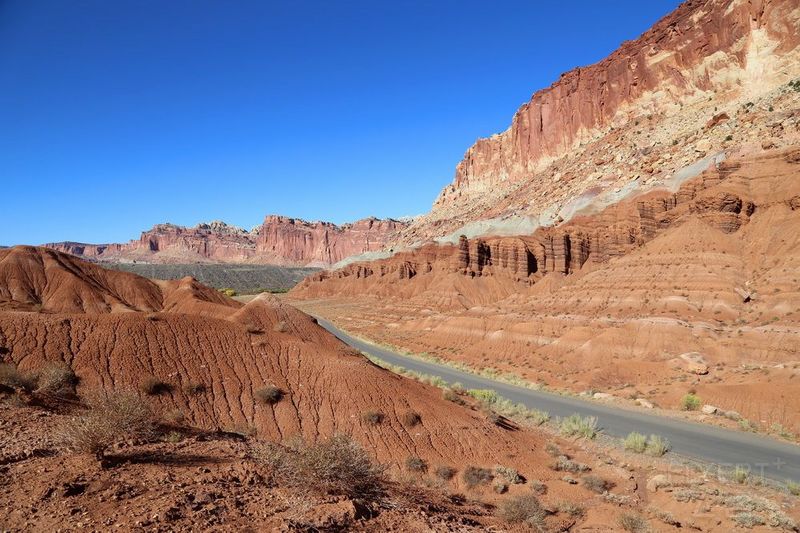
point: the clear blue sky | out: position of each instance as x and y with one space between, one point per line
119 114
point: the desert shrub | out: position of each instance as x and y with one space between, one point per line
499 486
536 416
552 449
57 378
633 523
565 464
269 395
509 474
657 446
373 418
416 464
596 484
740 474
538 487
445 472
193 389
173 437
411 418
576 425
779 520
487 396
748 520
153 386
474 476
635 442
14 378
173 417
109 419
690 402
337 466
574 510
793 488
452 396
522 509
228 292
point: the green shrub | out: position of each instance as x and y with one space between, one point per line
690 402
635 442
740 475
336 466
416 464
657 446
793 488
474 476
522 509
228 292
486 396
269 395
576 425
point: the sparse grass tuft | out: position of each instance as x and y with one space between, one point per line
522 509
793 488
633 523
416 464
108 419
576 425
269 395
740 475
657 446
474 476
635 442
373 418
153 386
336 466
690 402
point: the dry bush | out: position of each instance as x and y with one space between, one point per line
269 395
633 523
57 378
596 484
411 418
192 389
373 418
522 509
446 472
109 419
337 466
511 475
14 378
173 417
416 464
474 476
153 386
565 464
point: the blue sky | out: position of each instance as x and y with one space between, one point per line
116 115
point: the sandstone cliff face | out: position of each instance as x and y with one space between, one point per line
279 240
715 198
705 54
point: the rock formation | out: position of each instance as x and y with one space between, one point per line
279 241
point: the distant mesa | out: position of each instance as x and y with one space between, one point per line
279 240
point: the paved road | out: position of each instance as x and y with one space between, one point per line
777 460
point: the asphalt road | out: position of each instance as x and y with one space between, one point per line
776 460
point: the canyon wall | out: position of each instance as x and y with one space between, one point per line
279 241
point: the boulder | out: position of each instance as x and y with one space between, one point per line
644 403
709 410
656 482
603 396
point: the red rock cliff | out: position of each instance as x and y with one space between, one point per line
279 240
